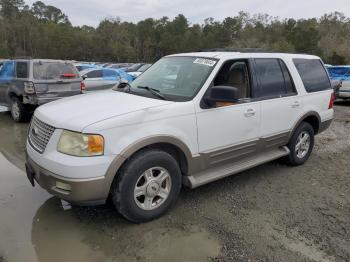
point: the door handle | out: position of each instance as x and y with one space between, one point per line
250 112
296 104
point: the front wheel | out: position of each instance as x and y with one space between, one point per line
301 144
147 186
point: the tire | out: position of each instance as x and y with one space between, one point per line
299 156
147 186
19 112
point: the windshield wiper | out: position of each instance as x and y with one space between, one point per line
153 91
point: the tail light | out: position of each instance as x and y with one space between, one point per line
331 101
29 88
82 87
69 75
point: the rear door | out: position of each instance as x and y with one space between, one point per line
55 79
280 104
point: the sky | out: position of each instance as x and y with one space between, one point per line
91 12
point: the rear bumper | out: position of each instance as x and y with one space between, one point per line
325 125
46 98
90 191
343 94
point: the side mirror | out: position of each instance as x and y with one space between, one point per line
226 94
84 77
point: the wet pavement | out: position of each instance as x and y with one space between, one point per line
34 226
269 213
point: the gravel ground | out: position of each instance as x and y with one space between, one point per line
270 213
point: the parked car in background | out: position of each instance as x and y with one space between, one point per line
84 66
134 67
28 83
97 79
142 69
119 66
340 76
139 145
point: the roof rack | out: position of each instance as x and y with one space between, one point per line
240 50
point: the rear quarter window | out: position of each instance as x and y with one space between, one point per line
313 74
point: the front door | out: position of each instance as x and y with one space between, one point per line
230 132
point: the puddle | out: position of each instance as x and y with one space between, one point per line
34 226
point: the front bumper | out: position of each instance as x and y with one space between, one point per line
91 191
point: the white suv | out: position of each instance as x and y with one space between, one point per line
188 120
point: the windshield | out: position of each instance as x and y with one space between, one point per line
54 70
176 78
143 68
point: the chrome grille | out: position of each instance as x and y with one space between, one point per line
39 134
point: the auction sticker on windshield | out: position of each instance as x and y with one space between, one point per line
204 61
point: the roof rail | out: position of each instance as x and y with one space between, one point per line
240 50
21 57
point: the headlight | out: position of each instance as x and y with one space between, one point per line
78 144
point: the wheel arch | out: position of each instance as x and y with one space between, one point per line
169 144
313 118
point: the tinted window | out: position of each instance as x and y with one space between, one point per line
94 74
289 85
109 73
53 70
313 74
22 69
270 77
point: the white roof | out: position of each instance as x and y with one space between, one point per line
227 55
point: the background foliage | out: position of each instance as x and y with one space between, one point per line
44 31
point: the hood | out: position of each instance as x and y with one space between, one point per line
77 112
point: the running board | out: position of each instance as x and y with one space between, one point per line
4 109
213 174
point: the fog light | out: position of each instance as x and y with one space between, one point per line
63 186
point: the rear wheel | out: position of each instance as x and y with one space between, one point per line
301 144
19 111
147 186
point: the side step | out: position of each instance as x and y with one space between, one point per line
4 109
213 174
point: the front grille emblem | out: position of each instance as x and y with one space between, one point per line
35 131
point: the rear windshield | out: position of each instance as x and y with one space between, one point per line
54 70
313 74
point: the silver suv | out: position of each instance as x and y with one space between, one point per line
28 83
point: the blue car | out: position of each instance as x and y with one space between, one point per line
342 74
99 78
